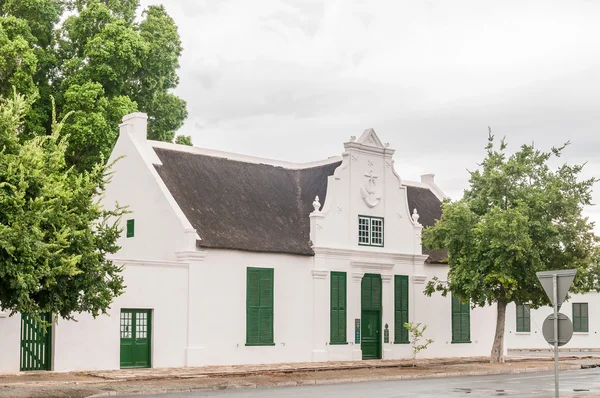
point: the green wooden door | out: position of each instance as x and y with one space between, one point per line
36 343
136 332
371 316
371 334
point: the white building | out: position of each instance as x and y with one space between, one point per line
524 325
231 259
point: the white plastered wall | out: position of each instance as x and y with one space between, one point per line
535 340
218 323
10 329
92 344
160 228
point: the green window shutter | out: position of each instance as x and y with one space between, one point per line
371 292
523 318
259 306
400 308
338 324
130 228
461 321
465 324
266 306
580 317
252 305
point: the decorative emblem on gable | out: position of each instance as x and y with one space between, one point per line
369 191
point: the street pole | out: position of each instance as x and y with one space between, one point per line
555 294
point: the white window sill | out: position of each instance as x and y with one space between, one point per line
581 333
522 333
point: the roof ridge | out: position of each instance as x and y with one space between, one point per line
241 157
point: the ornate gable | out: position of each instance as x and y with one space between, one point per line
369 142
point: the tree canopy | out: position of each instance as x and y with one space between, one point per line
100 63
54 234
517 217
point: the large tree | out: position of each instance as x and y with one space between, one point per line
100 63
54 234
518 217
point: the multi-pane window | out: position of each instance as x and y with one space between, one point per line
130 228
370 231
400 308
141 325
259 306
377 231
364 230
461 321
125 325
523 318
338 308
580 317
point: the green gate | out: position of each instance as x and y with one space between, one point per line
36 346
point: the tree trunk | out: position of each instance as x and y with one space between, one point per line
498 346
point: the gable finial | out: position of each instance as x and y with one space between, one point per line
415 216
316 203
352 138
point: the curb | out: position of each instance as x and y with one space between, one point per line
346 380
309 369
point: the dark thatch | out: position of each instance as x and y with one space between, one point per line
429 208
245 206
259 207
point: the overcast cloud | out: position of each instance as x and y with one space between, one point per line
294 79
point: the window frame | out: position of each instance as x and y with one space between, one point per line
370 231
340 339
578 326
524 316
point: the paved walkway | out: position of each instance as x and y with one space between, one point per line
152 381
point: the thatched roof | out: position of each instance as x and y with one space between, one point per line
429 208
245 206
258 207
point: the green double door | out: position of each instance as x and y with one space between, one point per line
136 342
371 316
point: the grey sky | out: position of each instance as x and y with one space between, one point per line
294 79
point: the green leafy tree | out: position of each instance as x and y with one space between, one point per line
184 140
54 234
100 63
517 218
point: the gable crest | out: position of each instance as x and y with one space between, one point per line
370 138
370 142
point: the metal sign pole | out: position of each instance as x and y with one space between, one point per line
555 300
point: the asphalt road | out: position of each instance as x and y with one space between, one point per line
530 385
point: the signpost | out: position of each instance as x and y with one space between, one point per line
556 284
565 329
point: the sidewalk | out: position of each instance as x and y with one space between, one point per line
152 381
